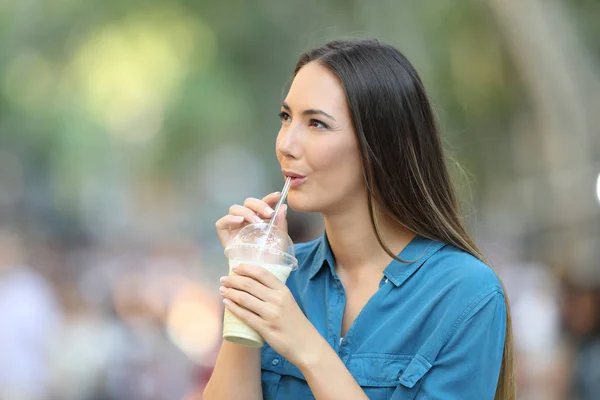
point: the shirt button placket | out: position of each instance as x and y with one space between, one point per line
344 343
339 299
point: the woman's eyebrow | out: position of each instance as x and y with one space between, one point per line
310 111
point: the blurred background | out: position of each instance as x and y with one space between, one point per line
128 128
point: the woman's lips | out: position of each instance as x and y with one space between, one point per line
296 181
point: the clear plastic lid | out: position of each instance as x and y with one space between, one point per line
254 236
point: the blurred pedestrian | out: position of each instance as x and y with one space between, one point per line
29 319
581 315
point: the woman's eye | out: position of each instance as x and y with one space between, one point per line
317 124
314 123
283 116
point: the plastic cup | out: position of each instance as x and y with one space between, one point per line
274 253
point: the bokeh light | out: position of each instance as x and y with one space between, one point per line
193 323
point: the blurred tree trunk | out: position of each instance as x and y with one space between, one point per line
556 155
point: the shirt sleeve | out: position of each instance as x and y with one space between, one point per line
468 365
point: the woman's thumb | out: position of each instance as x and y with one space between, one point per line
281 221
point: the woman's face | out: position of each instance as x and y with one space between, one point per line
317 141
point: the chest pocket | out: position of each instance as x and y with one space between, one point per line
389 376
381 376
281 380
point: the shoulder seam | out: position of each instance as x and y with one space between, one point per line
474 303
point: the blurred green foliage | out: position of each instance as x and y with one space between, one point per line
131 91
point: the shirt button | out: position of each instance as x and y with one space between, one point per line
344 342
275 361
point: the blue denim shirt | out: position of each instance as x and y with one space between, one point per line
434 330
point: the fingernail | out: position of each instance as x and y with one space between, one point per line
235 267
223 278
269 211
222 289
238 218
257 219
284 209
277 193
226 302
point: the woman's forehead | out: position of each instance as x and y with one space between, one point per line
316 87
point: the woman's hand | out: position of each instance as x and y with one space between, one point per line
264 303
253 211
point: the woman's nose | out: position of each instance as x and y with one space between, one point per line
288 144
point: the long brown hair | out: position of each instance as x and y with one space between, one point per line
403 160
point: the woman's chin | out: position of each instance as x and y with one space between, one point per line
300 205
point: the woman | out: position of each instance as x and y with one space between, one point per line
394 300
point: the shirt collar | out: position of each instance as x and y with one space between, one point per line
414 254
323 254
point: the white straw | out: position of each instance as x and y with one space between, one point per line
284 193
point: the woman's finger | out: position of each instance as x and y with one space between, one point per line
251 319
281 221
272 198
248 285
245 300
262 275
245 212
229 222
260 207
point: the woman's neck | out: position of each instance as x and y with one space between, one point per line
354 243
